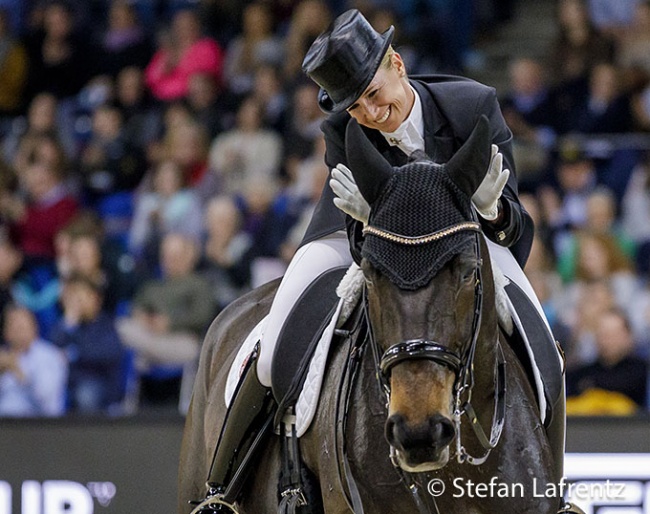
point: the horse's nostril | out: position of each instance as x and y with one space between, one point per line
436 434
442 430
392 428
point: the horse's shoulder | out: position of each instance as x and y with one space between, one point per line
248 305
238 318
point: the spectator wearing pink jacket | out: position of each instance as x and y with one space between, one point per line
182 52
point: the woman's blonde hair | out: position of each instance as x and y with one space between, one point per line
387 60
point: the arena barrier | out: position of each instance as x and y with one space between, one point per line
129 465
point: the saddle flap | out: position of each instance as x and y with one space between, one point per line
301 332
539 349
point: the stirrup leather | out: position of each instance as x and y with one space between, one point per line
292 495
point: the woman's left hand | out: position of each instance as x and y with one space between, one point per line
486 197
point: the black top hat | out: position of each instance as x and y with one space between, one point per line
344 59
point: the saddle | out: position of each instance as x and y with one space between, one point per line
301 333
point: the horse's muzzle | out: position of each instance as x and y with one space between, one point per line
421 446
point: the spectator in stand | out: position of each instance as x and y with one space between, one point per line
635 213
580 307
633 48
60 61
598 257
33 372
564 208
173 116
86 259
578 46
254 46
82 246
33 221
599 218
43 118
182 52
309 19
49 206
269 91
266 220
212 107
124 42
613 16
616 369
303 120
224 246
88 336
170 207
13 70
529 106
602 219
531 111
247 154
444 29
606 106
109 162
142 119
171 314
187 145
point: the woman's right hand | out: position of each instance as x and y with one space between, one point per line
348 197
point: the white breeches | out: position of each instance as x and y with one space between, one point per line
332 251
309 263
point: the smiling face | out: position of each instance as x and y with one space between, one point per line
388 99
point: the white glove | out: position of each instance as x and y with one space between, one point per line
486 197
349 198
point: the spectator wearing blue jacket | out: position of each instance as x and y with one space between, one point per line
96 355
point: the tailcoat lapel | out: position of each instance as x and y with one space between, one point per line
439 143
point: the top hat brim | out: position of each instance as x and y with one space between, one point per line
329 106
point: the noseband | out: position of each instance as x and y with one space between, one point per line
462 365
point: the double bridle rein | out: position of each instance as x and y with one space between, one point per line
462 364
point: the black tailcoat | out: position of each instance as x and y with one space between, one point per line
451 107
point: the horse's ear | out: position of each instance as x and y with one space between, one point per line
468 166
370 169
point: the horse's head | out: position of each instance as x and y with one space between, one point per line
422 264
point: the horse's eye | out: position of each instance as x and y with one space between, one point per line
468 275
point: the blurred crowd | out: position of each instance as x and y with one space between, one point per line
160 158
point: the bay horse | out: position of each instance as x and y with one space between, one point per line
432 412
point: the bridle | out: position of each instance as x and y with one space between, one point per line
462 364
